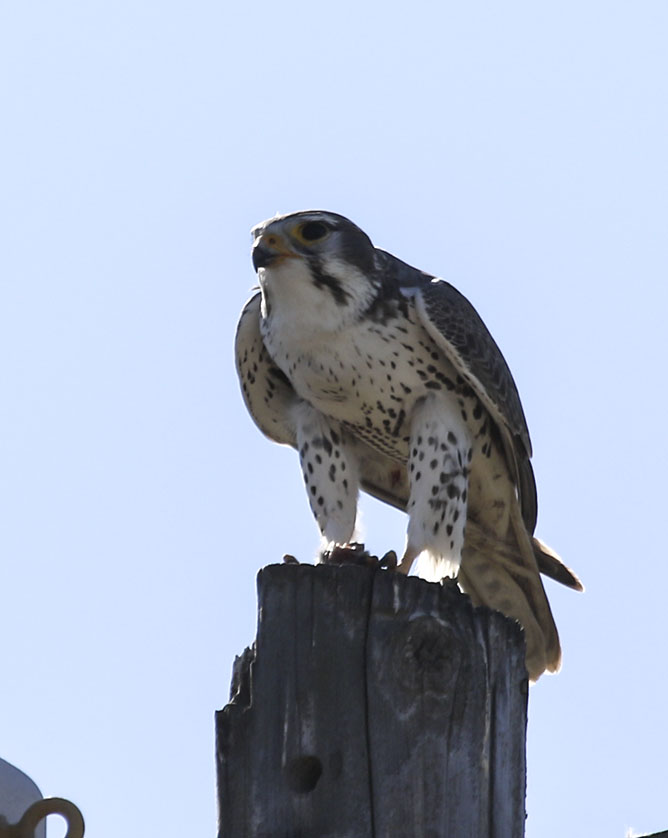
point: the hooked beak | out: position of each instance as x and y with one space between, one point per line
269 248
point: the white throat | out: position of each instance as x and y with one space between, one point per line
291 298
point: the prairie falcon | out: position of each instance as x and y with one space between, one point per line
385 378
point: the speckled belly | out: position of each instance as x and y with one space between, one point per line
370 376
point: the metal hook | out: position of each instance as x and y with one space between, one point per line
41 809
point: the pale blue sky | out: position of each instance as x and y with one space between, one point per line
519 150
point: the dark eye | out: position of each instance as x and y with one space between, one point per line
313 230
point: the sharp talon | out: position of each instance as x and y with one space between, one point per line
389 560
348 554
288 559
407 561
404 566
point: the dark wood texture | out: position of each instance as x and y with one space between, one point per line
373 706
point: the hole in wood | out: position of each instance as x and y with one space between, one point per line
303 773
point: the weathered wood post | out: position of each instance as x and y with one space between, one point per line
373 705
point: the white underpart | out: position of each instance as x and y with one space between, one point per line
438 472
296 300
330 472
337 366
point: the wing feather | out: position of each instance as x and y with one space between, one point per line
457 329
268 394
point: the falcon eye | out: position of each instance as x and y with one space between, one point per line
312 231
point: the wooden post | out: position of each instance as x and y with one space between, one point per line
373 705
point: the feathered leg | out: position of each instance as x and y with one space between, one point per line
331 473
440 452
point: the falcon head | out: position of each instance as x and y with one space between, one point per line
315 236
315 263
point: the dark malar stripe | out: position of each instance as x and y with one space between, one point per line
331 283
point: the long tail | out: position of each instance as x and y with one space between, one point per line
551 565
506 576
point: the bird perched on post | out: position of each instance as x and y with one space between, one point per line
385 378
